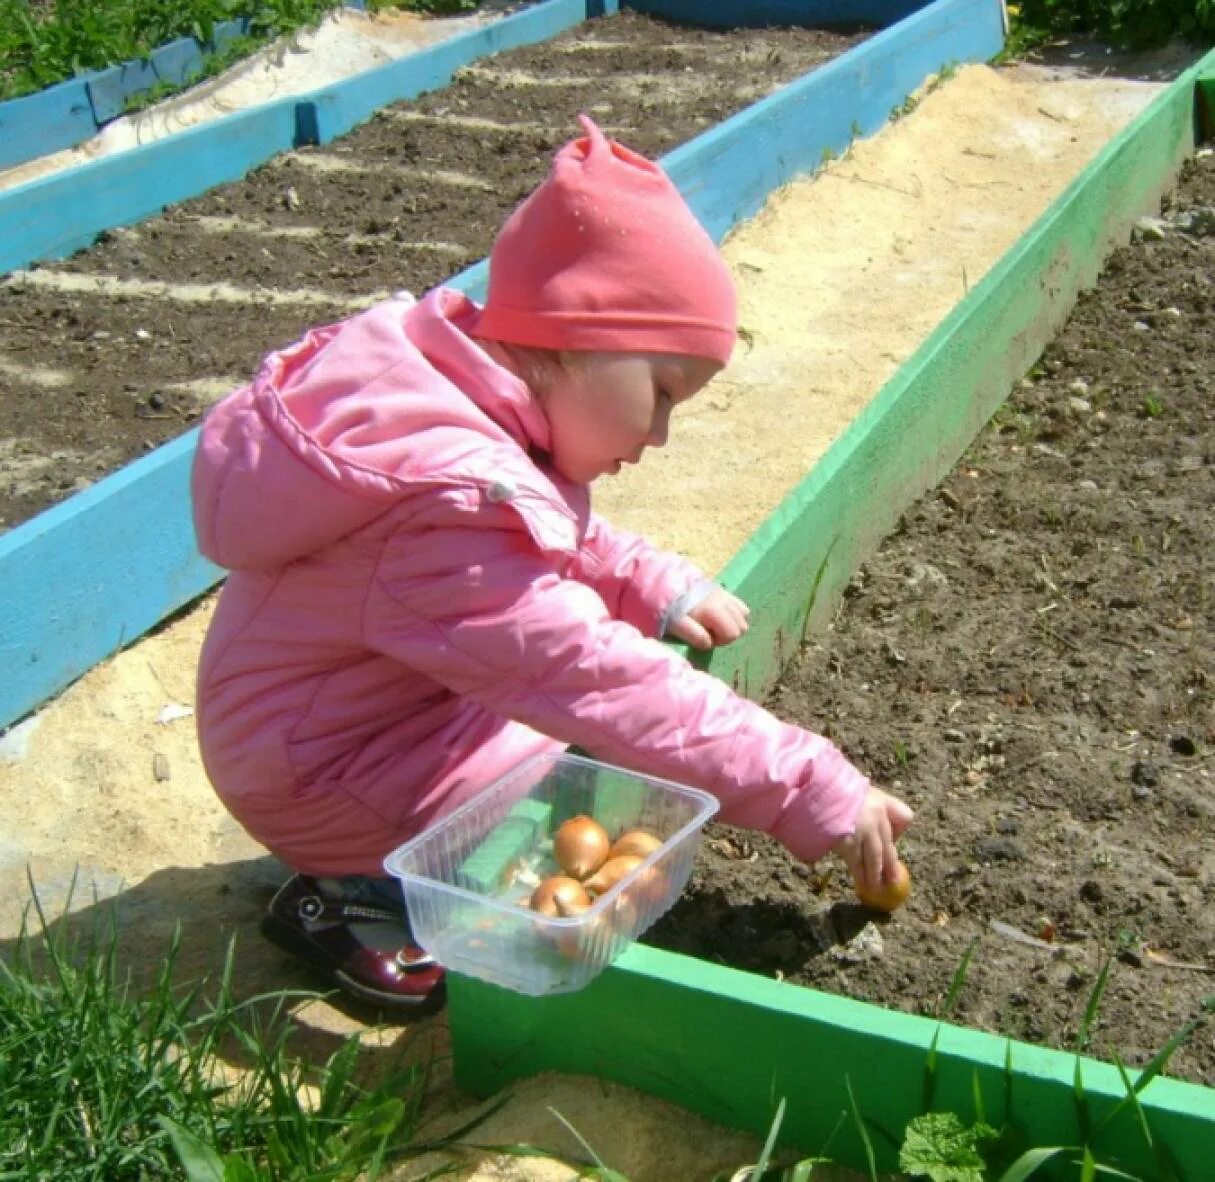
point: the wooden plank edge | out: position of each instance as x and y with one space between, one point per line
731 1045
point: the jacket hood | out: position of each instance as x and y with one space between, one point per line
334 430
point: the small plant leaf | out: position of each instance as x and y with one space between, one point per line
938 1145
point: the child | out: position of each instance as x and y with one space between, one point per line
421 596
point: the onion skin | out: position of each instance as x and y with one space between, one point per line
611 872
890 896
580 846
635 841
559 896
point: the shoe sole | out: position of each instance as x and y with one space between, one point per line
288 938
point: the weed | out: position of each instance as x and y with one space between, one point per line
1152 407
98 1083
902 754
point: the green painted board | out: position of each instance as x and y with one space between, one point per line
795 567
731 1046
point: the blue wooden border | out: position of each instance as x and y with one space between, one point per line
70 112
98 570
732 13
57 215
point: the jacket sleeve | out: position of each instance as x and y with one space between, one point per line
640 584
489 616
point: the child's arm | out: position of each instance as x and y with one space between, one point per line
485 614
649 588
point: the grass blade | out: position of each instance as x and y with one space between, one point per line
860 1126
957 980
765 1154
1085 1033
1030 1161
200 1162
929 1091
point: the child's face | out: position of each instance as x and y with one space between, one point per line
605 409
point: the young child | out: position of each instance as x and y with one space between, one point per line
421 596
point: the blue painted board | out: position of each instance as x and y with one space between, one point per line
756 13
91 574
49 121
94 573
73 111
56 215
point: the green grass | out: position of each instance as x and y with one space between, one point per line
46 41
102 1083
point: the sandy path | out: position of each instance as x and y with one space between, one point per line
841 278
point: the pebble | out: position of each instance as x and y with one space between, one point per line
1145 773
999 849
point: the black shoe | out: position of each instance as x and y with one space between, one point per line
367 950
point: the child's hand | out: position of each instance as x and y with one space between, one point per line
719 618
868 851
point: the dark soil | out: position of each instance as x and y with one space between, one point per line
430 183
1028 662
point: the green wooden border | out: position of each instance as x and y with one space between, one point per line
794 568
729 1044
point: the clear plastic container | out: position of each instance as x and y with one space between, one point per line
468 879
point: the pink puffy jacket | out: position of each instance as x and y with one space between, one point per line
418 603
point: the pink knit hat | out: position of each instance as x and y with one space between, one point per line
605 255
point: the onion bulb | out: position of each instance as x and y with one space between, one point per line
889 896
560 896
611 872
580 846
635 841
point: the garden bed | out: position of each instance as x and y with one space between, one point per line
122 346
1027 661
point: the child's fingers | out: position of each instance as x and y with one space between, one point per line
693 633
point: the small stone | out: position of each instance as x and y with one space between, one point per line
998 849
953 735
1141 792
160 767
1145 773
1006 825
1079 386
156 401
1152 229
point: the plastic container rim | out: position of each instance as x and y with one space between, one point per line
709 807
